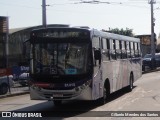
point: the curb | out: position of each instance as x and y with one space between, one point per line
149 71
14 94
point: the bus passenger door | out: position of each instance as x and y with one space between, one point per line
97 74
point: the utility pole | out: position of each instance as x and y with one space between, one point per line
44 23
4 33
152 34
7 38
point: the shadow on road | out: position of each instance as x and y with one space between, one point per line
119 93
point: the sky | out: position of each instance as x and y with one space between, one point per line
132 14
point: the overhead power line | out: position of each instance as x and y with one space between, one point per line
110 3
128 3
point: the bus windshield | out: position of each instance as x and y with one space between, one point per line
60 58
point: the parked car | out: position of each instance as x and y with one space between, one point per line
5 83
157 59
147 61
23 79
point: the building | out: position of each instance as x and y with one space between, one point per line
146 44
158 43
18 49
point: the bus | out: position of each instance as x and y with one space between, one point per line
74 63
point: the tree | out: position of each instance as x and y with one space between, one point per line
126 32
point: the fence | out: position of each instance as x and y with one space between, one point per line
8 86
12 85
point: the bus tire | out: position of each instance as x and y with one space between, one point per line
131 79
106 93
102 100
57 102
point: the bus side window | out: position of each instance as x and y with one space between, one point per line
128 50
96 42
139 49
113 49
118 49
120 46
105 50
96 50
124 47
97 54
108 48
132 49
26 51
136 49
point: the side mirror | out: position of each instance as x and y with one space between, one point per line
97 56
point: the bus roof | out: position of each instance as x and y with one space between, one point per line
114 36
63 27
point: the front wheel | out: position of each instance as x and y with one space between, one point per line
106 93
102 100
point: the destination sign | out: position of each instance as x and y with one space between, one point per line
61 34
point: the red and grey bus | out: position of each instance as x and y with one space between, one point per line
70 63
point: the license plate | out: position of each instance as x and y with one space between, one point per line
57 95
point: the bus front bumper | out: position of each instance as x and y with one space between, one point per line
43 94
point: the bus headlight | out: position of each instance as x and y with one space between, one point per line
83 86
88 83
77 89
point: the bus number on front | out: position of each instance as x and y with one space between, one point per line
69 85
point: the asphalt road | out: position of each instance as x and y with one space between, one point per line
144 97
